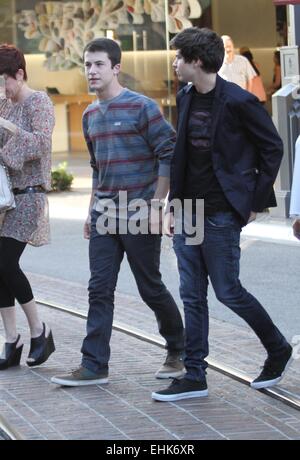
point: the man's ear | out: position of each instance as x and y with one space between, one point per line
117 69
198 63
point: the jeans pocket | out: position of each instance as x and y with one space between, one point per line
222 220
178 241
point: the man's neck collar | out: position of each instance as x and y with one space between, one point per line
206 83
115 92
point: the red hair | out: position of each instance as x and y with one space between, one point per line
11 60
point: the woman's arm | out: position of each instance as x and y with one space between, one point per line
30 145
296 228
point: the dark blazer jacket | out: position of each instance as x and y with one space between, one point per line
246 148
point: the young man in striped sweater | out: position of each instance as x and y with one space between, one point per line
130 146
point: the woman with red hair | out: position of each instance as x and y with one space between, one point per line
26 125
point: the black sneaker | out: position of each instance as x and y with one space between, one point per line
273 370
181 389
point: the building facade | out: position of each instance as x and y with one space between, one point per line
52 34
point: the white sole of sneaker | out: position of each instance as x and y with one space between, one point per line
265 384
178 397
83 383
271 383
170 375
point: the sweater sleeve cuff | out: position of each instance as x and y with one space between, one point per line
164 170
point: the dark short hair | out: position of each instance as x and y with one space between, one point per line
248 55
11 60
108 46
277 56
204 44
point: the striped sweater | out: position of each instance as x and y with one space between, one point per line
130 145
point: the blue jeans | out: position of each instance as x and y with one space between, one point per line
217 257
106 253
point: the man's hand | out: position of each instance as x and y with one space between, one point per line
252 217
87 228
168 227
296 228
156 216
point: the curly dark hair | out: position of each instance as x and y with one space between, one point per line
204 44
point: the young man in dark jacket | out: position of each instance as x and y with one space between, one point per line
227 153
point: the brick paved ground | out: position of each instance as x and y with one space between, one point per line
234 346
123 409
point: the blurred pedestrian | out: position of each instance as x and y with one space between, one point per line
236 68
276 79
295 192
26 125
257 87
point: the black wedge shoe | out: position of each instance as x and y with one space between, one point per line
12 355
41 348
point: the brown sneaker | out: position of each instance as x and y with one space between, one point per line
81 377
173 367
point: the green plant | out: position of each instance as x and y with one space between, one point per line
60 178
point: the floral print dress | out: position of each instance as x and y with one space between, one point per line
27 154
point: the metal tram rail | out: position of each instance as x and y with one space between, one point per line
7 432
281 394
286 397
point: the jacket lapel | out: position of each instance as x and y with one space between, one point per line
183 112
185 103
217 106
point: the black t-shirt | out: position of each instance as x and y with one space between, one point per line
200 179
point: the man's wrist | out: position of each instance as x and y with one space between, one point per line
158 203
